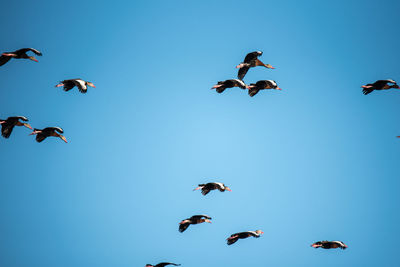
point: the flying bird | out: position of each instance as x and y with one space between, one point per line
162 264
8 125
235 237
49 131
254 88
222 85
250 61
195 219
206 188
329 244
21 53
379 85
71 83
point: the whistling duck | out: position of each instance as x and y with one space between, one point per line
162 264
379 85
71 83
329 244
195 219
250 61
222 85
235 237
261 85
21 53
206 188
8 125
49 131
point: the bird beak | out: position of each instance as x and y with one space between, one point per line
28 126
227 188
64 139
277 88
398 136
34 59
262 233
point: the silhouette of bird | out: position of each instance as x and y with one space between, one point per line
49 131
254 88
162 264
222 85
21 53
379 85
250 61
329 244
235 237
206 188
71 83
195 219
8 125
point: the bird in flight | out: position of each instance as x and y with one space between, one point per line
8 125
250 61
21 53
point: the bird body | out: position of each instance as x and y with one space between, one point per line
254 88
329 244
222 85
8 125
49 131
250 61
379 85
79 83
242 235
195 219
206 188
20 53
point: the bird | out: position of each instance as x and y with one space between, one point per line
379 85
162 264
329 244
195 219
49 131
206 188
222 85
8 125
20 53
254 88
71 83
235 237
250 61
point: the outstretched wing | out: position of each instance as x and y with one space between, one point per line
81 84
58 129
24 50
253 91
183 227
251 56
198 217
242 72
40 137
68 84
4 60
6 129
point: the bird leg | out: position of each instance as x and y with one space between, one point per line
241 65
216 86
34 132
366 86
9 54
197 188
1 122
27 125
34 59
63 138
59 85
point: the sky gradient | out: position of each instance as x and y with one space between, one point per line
315 161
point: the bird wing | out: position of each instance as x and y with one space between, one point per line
252 233
162 264
40 137
339 244
4 60
68 84
366 91
197 217
239 83
253 91
220 186
22 118
205 190
183 227
250 57
81 84
6 129
24 50
242 72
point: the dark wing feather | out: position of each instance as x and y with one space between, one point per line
253 91
24 50
40 137
231 241
366 91
4 60
205 190
52 129
68 84
183 227
162 264
250 57
198 217
6 129
242 72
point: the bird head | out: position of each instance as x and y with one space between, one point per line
90 84
259 232
227 188
33 58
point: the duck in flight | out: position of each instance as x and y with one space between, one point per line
250 61
379 85
222 85
206 188
49 131
235 237
329 244
79 83
254 88
195 219
20 53
8 125
162 264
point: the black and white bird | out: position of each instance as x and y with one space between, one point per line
20 53
49 131
162 264
250 61
254 88
222 85
195 219
329 244
235 237
71 83
206 188
8 125
379 85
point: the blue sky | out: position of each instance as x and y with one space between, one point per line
317 160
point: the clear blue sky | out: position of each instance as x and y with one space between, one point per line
317 160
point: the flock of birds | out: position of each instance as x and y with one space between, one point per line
251 60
